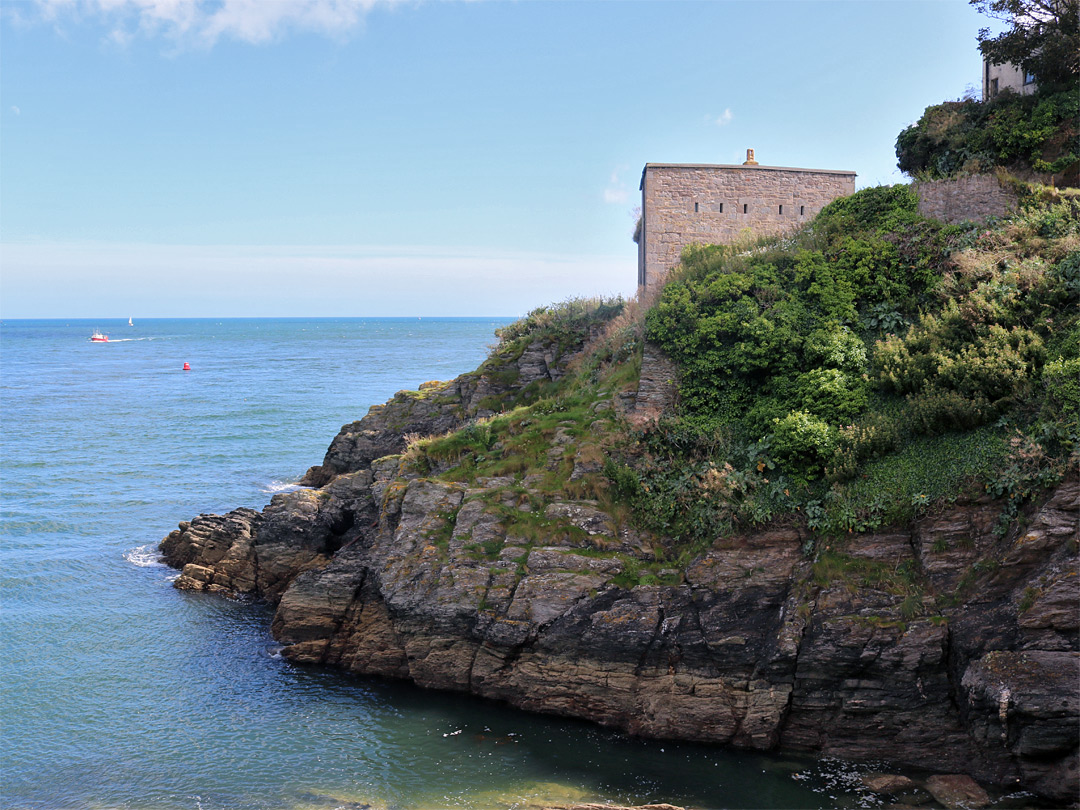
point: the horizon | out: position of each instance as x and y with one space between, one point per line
350 159
124 320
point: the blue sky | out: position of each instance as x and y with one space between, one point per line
368 157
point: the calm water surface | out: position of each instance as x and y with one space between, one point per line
120 692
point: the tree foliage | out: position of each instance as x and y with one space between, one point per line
1043 37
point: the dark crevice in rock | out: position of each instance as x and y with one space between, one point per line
653 645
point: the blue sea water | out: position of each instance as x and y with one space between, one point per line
117 691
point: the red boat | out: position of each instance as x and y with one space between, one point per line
97 337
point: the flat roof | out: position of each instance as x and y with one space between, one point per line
742 166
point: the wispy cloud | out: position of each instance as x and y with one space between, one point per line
720 120
204 22
616 192
16 110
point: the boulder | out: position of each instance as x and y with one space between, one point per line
957 792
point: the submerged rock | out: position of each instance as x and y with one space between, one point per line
957 792
888 783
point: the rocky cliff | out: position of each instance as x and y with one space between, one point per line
531 587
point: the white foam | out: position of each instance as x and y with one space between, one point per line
275 487
146 556
829 776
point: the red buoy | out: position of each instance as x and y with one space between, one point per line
187 366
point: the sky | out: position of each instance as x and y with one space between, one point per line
217 158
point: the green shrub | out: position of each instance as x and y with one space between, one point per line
878 207
803 440
934 411
1067 273
956 380
566 320
906 364
874 435
831 393
1037 131
997 366
836 346
1061 378
1056 220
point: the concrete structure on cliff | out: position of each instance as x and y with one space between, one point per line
998 78
688 203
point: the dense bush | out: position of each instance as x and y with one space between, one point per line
957 380
567 320
774 342
1038 132
1062 380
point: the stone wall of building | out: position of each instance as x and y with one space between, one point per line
999 78
965 199
683 204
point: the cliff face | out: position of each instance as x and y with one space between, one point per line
498 588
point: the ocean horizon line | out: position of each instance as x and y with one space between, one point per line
152 318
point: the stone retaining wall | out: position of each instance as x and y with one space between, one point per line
965 199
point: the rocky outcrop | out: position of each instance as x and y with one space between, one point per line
657 383
499 588
439 407
260 553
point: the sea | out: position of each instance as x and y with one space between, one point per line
118 691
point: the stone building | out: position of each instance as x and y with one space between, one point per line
688 203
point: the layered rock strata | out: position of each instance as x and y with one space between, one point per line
383 571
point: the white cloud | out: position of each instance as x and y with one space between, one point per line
207 21
16 110
616 192
720 120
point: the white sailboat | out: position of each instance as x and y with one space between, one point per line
129 321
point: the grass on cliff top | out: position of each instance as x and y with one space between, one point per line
565 323
522 439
